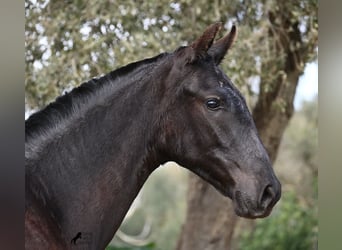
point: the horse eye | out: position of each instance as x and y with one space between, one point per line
213 103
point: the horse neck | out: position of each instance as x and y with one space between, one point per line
100 162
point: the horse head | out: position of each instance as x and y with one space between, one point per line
208 128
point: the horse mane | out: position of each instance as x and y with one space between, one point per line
71 103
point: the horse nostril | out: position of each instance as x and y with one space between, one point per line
267 196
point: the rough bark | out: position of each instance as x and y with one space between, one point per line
210 219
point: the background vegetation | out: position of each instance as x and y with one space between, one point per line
68 42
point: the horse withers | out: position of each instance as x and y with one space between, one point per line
89 152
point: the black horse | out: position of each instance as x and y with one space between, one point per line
89 152
78 236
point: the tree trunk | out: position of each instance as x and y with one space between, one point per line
210 220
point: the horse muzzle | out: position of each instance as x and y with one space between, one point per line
246 206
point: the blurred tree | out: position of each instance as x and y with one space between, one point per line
284 39
68 42
305 142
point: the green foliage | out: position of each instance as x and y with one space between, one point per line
292 226
307 148
166 208
302 135
68 42
150 246
162 203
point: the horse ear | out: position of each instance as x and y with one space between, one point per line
202 44
220 48
199 48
